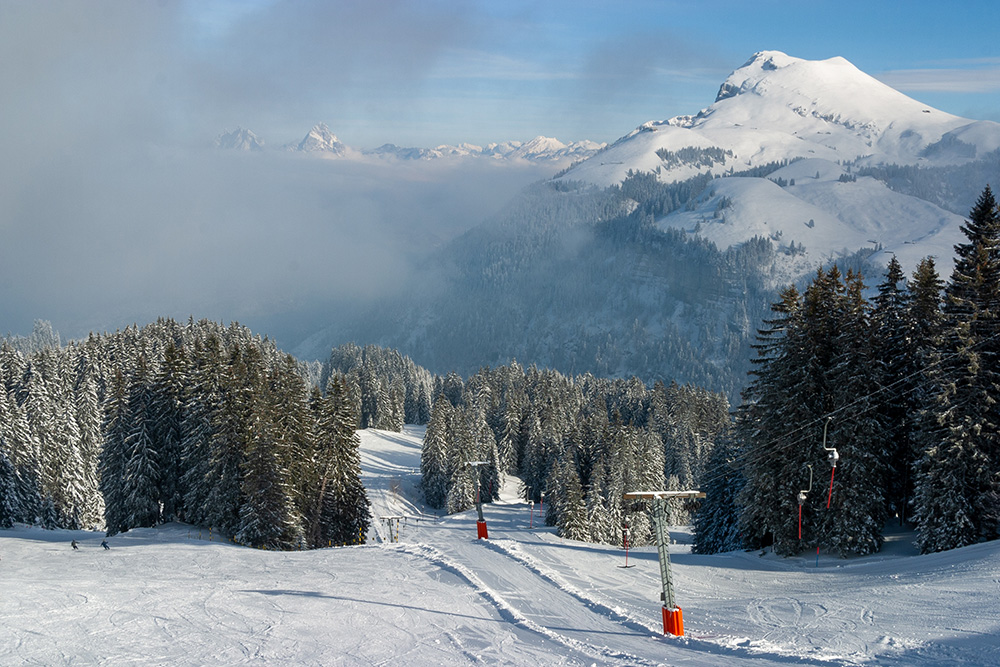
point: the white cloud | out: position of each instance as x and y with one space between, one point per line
978 80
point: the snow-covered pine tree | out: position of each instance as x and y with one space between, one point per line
229 440
893 355
853 523
567 500
89 419
490 478
141 479
957 495
598 518
461 476
167 415
111 464
344 514
268 517
716 523
202 401
434 475
765 426
9 510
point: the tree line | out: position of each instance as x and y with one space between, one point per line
905 387
582 441
196 422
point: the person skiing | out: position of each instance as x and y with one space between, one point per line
104 543
73 544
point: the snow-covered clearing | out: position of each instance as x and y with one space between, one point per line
439 596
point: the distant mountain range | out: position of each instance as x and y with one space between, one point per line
321 141
659 254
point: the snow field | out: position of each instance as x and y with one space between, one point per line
441 597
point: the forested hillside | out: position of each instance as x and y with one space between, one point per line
578 444
579 279
904 387
198 422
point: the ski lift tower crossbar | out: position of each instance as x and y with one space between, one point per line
673 619
392 521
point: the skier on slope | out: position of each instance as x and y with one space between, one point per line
73 544
104 543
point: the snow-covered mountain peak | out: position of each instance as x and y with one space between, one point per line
776 107
321 140
759 63
239 139
826 120
773 87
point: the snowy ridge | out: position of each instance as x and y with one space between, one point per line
539 149
239 140
776 107
827 119
321 141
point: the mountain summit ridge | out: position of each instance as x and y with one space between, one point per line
777 107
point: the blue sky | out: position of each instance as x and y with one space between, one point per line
423 73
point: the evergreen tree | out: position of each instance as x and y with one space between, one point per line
344 514
434 474
268 517
141 479
957 499
229 441
716 524
567 497
770 412
858 509
89 419
893 355
9 510
202 402
461 476
167 401
114 456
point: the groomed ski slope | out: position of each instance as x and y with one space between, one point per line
171 595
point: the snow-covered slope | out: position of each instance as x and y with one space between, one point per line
178 595
776 107
828 119
816 217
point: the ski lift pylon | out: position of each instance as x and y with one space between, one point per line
802 498
833 456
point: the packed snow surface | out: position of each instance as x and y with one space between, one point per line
178 595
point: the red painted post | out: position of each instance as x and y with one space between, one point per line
673 621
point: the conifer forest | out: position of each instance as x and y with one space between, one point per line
866 405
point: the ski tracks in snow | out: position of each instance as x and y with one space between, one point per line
510 612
